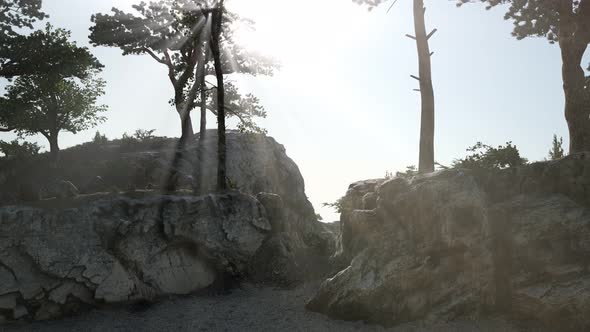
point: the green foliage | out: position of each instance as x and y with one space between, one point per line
15 149
340 205
18 14
144 135
556 151
100 139
487 157
547 18
41 104
174 33
47 52
245 108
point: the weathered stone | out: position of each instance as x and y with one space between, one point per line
48 310
121 249
8 301
19 312
274 207
461 243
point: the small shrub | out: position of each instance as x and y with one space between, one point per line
15 149
340 205
143 135
410 171
487 157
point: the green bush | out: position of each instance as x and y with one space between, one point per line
143 135
487 157
15 149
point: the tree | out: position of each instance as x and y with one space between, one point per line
566 22
217 25
556 151
44 105
177 34
426 153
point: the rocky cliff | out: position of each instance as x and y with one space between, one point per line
61 254
462 243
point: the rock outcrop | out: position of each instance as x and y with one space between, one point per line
61 254
121 249
461 243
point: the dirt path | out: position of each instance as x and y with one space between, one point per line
246 309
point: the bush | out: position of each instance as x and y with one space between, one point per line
143 135
15 149
487 157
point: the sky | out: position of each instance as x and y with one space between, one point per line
343 103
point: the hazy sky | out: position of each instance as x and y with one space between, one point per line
343 104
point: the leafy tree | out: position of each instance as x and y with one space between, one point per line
44 52
144 134
566 22
556 151
426 153
177 34
49 103
16 149
487 157
99 138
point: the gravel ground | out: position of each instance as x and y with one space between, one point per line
247 309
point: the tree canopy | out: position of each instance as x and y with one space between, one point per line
16 14
46 51
566 22
175 33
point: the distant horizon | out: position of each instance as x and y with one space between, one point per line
342 104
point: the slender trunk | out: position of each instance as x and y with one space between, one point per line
426 158
199 187
203 127
577 101
221 144
53 146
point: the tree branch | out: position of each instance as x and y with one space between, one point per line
7 129
153 55
168 62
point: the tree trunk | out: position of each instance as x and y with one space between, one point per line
221 147
187 127
203 127
198 173
53 146
426 158
577 99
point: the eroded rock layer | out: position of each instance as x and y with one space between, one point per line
460 243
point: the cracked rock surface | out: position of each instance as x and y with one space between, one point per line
121 249
462 243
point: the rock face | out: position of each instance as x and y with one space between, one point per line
58 255
458 243
255 164
122 249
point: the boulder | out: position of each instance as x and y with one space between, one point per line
120 249
461 243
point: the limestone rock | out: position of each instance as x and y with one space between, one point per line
462 243
120 249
